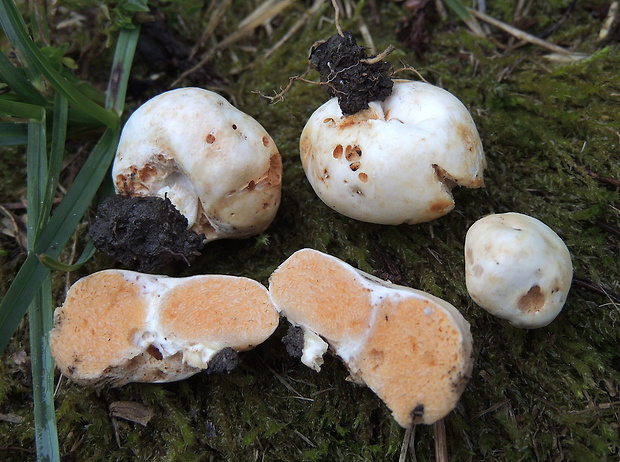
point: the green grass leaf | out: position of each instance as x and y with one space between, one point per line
34 60
55 234
13 133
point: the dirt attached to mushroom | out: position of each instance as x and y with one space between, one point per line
145 234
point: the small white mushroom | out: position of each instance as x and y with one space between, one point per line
517 268
397 161
119 326
216 164
411 348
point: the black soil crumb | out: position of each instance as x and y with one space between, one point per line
343 65
146 234
294 341
223 362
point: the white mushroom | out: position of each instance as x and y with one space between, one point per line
397 161
217 165
517 268
411 348
119 326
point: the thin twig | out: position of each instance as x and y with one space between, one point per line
300 22
214 20
592 287
381 56
518 33
337 17
411 69
407 442
251 22
441 442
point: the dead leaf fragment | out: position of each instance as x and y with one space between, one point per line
131 411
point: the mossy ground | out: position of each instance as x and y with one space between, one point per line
547 394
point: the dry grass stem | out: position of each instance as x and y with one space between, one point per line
260 15
216 14
408 441
381 56
518 33
337 17
441 442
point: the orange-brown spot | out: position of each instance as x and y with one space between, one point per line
210 138
363 177
337 152
354 166
265 141
532 301
469 138
353 153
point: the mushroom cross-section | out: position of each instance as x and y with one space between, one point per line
411 348
397 161
517 268
216 164
119 326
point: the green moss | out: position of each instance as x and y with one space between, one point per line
534 395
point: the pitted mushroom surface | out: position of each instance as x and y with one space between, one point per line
397 161
411 348
216 164
517 268
119 326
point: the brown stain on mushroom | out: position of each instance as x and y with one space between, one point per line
337 152
354 166
532 301
210 139
363 177
265 141
469 138
353 153
439 207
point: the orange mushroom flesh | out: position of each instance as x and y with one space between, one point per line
118 326
411 348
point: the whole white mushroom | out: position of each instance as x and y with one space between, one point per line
216 164
397 161
517 268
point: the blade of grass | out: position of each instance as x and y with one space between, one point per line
23 110
12 134
52 263
121 67
33 58
19 83
66 217
36 170
57 150
42 364
40 309
55 234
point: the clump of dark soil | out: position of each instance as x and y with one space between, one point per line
349 74
146 234
294 341
224 362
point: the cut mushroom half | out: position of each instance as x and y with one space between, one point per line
216 164
517 268
411 348
397 161
119 326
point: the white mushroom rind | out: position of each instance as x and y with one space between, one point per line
517 268
397 161
216 164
